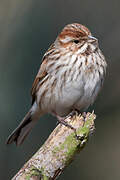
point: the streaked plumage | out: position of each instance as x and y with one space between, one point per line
70 77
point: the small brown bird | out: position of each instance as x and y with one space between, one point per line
69 78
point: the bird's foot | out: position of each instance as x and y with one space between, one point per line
62 121
71 114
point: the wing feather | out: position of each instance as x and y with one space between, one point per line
42 73
40 76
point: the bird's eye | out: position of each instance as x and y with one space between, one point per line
76 41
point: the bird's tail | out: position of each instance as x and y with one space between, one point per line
20 133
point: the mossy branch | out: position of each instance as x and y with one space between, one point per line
58 150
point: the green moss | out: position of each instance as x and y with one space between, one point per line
71 144
68 149
35 172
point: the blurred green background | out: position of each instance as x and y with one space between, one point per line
27 28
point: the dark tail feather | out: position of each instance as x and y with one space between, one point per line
20 133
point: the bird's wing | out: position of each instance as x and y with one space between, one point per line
39 77
42 73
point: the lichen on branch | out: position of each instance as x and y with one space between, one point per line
58 150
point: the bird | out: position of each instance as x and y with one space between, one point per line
70 77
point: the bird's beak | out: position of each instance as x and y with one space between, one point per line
92 39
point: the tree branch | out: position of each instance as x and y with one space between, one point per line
58 150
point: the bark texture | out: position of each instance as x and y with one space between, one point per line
58 150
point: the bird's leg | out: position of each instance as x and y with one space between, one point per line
76 112
62 121
72 113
